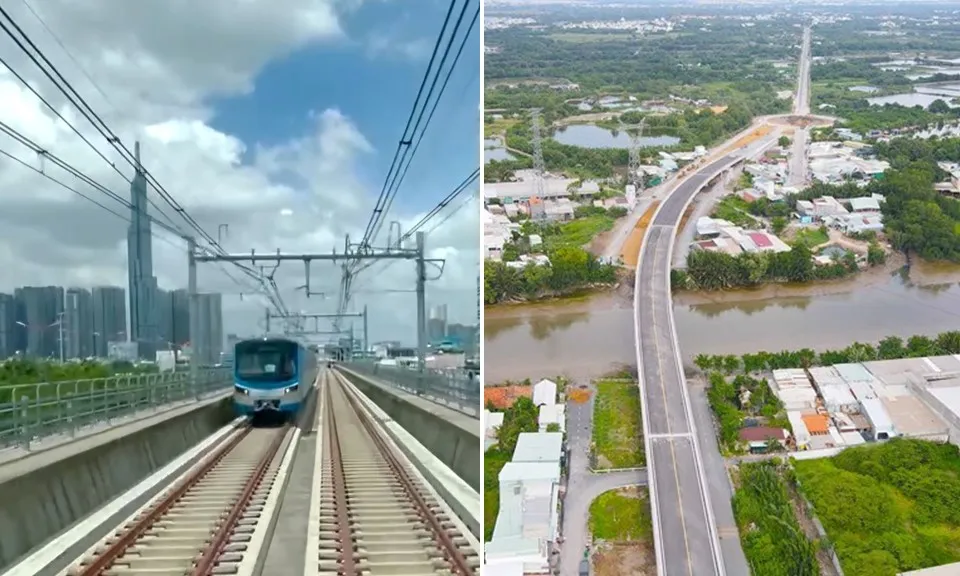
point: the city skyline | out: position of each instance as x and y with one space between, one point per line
74 322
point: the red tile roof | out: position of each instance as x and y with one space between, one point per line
762 434
760 239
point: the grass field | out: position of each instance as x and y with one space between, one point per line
579 232
811 237
620 515
621 520
493 462
617 426
498 127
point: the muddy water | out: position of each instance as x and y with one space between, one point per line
590 336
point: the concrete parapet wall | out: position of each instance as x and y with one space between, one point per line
45 493
449 435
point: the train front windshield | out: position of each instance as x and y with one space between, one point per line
266 361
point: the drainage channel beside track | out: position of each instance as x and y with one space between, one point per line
377 515
205 522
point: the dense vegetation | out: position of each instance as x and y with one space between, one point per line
718 60
727 403
30 371
707 270
570 269
890 507
773 541
890 348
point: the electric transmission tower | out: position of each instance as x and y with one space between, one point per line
635 133
538 167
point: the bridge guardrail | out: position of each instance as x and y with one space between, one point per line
32 411
454 388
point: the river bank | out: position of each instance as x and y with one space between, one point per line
591 335
921 274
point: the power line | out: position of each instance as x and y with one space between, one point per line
395 177
100 126
95 120
109 210
433 110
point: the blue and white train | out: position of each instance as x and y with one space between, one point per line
272 377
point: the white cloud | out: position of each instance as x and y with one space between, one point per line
159 62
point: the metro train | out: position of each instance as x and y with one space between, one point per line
272 377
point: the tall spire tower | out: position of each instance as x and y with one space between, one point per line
142 289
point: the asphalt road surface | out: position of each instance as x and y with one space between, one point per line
686 543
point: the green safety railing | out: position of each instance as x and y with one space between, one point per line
29 412
454 387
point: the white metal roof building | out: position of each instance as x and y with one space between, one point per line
880 422
545 392
911 418
552 414
944 570
800 432
491 421
528 516
794 389
538 447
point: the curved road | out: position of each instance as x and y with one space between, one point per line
685 535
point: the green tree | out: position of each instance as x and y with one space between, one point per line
778 224
783 141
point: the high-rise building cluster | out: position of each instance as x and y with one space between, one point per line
439 329
50 321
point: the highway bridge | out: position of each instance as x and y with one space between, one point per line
685 533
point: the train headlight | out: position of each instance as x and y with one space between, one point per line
291 389
240 390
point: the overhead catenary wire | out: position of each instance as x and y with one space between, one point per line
407 146
100 126
433 109
54 75
396 172
109 210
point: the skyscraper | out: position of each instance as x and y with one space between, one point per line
39 311
208 343
174 316
8 326
437 323
78 324
142 288
109 318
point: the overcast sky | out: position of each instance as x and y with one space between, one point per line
278 118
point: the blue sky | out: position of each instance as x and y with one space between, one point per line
373 79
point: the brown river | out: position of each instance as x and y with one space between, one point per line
587 337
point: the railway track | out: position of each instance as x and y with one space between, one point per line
377 516
204 523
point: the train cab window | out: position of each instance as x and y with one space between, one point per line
266 361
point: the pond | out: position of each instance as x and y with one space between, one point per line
493 149
590 136
909 100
